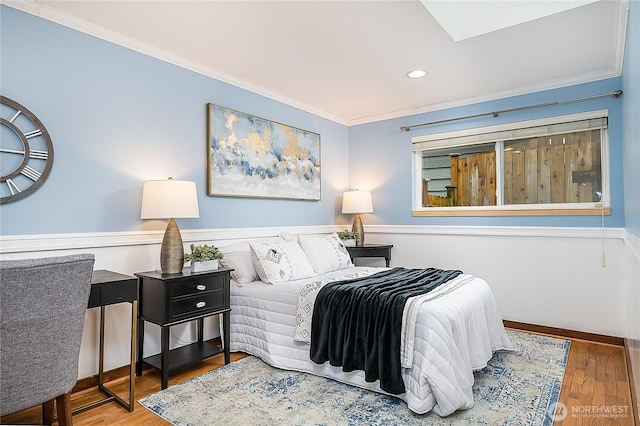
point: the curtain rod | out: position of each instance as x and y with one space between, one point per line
615 94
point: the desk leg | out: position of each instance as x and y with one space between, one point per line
100 371
226 330
132 367
140 346
132 361
101 358
111 395
164 356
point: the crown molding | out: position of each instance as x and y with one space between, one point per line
620 39
51 14
557 84
43 11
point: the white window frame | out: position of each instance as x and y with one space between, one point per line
475 136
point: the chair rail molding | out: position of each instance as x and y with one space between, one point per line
502 231
47 242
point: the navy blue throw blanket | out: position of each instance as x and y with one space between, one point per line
357 323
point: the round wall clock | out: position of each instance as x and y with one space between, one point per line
26 151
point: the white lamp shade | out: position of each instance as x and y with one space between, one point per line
357 202
166 199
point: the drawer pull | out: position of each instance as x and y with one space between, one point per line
201 304
201 287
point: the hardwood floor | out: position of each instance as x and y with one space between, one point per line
595 391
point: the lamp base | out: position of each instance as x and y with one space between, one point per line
172 251
357 227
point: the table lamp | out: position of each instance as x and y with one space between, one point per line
357 202
170 199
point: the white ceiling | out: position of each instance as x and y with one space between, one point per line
348 60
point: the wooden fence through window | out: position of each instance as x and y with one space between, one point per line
552 169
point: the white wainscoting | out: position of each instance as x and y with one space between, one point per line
128 253
546 276
632 271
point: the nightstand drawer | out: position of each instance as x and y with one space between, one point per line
197 305
195 286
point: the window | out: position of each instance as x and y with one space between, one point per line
556 165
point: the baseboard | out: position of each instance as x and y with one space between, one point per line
632 388
117 373
91 382
563 332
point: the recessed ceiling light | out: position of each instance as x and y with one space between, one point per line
416 74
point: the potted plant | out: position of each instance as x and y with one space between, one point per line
348 238
203 257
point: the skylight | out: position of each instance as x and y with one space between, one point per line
466 19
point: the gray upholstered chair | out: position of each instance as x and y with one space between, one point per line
42 309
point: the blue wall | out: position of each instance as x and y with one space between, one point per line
381 156
631 120
118 117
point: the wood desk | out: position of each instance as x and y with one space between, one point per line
109 288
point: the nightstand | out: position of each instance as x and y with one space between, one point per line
371 250
170 299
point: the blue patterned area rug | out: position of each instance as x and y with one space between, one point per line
516 388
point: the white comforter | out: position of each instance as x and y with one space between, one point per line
455 334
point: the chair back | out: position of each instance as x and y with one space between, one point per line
43 303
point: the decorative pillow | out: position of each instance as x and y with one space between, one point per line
238 257
279 261
326 253
288 236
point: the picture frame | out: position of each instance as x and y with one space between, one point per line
249 156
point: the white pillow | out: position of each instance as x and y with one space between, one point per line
238 257
288 236
279 261
326 253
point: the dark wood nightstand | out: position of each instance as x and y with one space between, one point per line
170 299
371 250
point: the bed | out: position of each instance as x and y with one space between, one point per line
453 333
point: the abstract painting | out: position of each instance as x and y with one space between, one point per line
252 157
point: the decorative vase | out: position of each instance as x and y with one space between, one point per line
207 265
349 243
